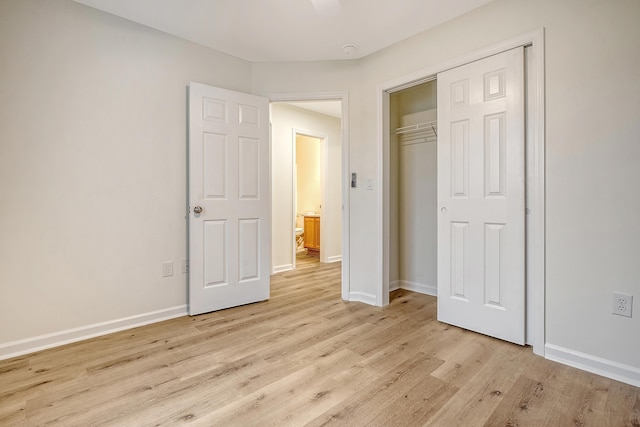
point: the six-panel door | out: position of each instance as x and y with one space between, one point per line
481 218
229 183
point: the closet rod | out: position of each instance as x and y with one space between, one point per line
416 142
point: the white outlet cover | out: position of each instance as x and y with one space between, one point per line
167 269
622 304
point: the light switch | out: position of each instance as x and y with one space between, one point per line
369 183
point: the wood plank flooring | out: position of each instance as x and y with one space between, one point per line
305 357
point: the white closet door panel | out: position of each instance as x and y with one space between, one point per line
481 259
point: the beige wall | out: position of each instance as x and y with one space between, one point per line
92 161
93 164
308 156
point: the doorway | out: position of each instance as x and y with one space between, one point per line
412 180
534 183
309 182
323 117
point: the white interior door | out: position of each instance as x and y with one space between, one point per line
481 183
229 203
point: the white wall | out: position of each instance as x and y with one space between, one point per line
592 128
592 153
93 164
284 120
92 161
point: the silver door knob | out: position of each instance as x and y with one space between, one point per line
197 210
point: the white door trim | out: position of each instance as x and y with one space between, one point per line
535 228
343 97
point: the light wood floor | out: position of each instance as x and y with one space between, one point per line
306 358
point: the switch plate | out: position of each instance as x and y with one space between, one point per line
622 304
167 269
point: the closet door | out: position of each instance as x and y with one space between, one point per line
481 182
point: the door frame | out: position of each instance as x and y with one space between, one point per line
323 187
535 176
343 97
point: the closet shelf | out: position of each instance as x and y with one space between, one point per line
417 134
420 127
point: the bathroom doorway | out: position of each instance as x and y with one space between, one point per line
307 182
308 195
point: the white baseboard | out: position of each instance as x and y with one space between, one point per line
281 268
363 297
394 286
336 258
42 342
419 287
596 365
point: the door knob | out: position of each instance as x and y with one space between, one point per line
197 210
443 210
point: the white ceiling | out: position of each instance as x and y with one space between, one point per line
290 30
328 108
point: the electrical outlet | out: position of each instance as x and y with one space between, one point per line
184 266
167 269
622 304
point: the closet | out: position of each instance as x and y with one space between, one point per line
413 189
486 165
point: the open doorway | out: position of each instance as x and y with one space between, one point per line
319 199
413 188
308 194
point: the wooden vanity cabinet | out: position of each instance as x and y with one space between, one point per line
312 233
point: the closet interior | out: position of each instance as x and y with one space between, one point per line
413 189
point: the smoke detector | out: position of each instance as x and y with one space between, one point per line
349 49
